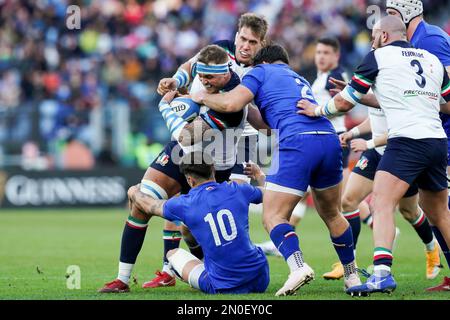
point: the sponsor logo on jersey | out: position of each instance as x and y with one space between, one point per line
416 93
362 163
163 159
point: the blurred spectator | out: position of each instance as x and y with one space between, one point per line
77 156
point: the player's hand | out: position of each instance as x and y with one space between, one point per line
344 138
358 145
307 108
339 84
253 171
198 96
131 192
165 85
169 96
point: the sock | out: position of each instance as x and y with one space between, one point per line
444 248
355 223
125 272
343 245
368 221
132 239
194 247
381 270
286 241
171 241
382 256
423 229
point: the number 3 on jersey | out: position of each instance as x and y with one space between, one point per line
223 230
423 81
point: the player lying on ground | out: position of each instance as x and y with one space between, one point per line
217 215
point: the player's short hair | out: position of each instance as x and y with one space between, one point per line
271 53
198 165
212 54
332 42
257 23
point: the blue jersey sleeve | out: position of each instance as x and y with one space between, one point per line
365 74
251 193
439 46
445 92
173 209
253 79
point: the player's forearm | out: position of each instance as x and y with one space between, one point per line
361 129
147 204
381 140
183 75
221 102
370 100
193 132
445 108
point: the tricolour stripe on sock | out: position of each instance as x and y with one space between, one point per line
351 214
420 219
382 253
136 223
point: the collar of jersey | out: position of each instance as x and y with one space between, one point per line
401 43
205 185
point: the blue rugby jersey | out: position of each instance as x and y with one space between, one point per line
277 89
437 41
217 215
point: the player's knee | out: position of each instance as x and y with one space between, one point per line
170 253
409 213
349 203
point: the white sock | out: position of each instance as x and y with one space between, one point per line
381 270
295 261
166 268
430 246
125 272
256 208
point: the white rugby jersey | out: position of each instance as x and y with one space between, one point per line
408 83
321 91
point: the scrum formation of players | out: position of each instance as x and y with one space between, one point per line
247 84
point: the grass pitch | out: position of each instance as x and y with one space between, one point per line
36 248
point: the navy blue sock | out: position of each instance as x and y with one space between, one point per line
171 241
285 239
423 228
344 246
442 244
132 239
355 222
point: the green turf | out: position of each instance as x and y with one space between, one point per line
36 247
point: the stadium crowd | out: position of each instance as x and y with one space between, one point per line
59 85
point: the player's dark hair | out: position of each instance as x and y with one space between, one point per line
212 54
258 24
198 165
332 42
270 54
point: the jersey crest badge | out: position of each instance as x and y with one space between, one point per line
163 159
362 163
